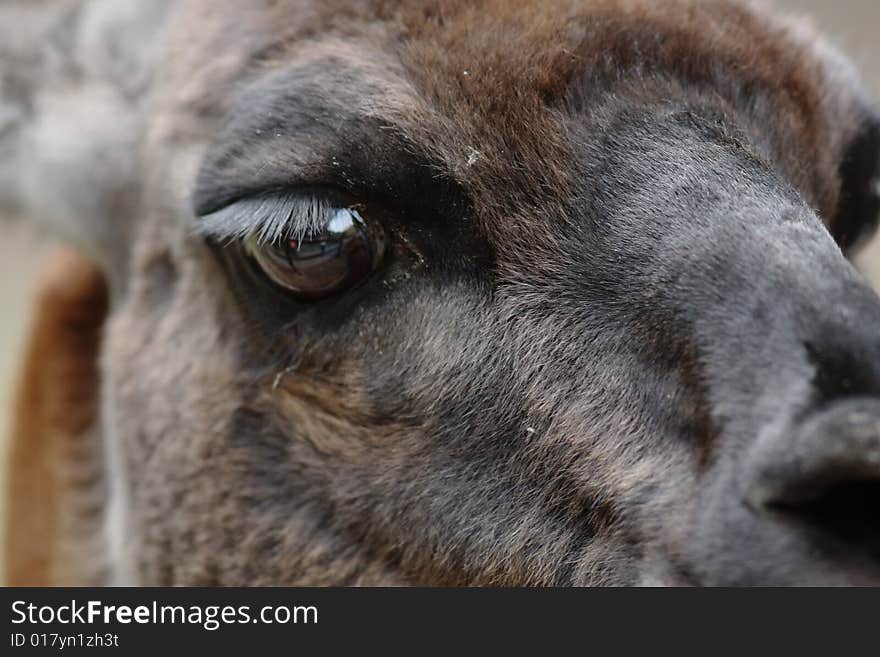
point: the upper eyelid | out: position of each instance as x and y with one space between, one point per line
269 217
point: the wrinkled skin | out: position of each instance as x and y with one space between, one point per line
616 341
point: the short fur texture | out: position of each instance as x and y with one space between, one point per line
614 287
55 491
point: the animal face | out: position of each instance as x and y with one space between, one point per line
453 293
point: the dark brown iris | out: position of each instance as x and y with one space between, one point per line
341 256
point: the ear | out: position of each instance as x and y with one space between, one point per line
858 210
74 76
55 484
853 116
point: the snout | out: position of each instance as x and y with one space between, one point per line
795 497
822 481
816 475
803 508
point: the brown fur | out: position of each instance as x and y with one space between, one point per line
54 468
494 90
517 400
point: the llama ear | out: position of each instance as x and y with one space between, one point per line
851 108
858 210
73 78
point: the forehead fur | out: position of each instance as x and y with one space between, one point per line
488 87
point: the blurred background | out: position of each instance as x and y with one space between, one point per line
854 24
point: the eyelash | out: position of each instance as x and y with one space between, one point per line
269 218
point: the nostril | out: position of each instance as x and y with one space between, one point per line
847 510
825 476
841 373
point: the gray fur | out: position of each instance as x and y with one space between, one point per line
614 282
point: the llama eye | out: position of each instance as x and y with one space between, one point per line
339 257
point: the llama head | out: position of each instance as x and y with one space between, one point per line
497 294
